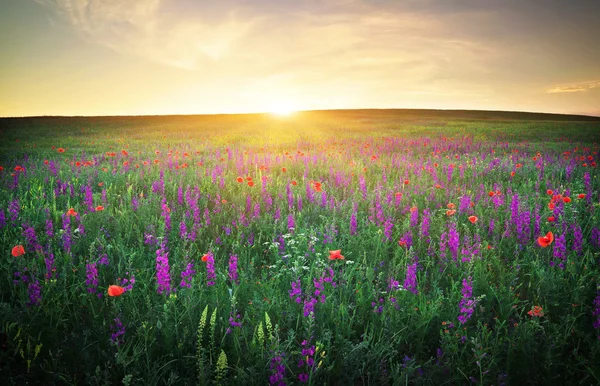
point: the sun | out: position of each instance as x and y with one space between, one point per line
282 109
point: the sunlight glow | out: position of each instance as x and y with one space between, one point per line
282 109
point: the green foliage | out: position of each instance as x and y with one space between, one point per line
369 327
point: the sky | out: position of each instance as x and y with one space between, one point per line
138 57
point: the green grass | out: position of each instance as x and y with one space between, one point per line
364 331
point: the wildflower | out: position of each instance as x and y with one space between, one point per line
566 200
118 331
551 219
18 251
71 212
596 312
450 212
233 274
580 196
491 194
283 170
91 280
410 283
336 255
294 182
406 182
544 241
210 269
240 180
296 291
163 277
250 183
187 275
473 219
99 208
317 186
204 258
115 290
60 150
536 311
467 304
34 290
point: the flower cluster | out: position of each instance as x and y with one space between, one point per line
163 277
467 303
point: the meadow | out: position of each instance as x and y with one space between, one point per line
346 248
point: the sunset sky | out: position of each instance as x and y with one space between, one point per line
131 57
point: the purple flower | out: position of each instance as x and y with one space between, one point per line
233 273
353 224
296 291
277 370
14 208
187 275
410 283
596 312
163 277
34 290
91 277
467 304
210 269
117 335
560 251
291 222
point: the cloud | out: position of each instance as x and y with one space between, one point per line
145 28
576 87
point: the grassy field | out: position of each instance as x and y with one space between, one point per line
358 247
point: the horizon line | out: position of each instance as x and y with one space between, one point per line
587 115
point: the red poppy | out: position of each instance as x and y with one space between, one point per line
519 165
204 258
283 170
71 212
124 152
566 200
115 290
491 194
18 251
317 186
99 208
46 162
473 219
580 196
239 179
336 255
551 206
451 206
250 183
551 219
19 168
512 174
536 311
61 150
402 243
406 182
550 192
450 212
544 241
294 182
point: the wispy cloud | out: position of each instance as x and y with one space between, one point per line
148 29
575 87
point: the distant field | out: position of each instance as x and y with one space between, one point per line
356 247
